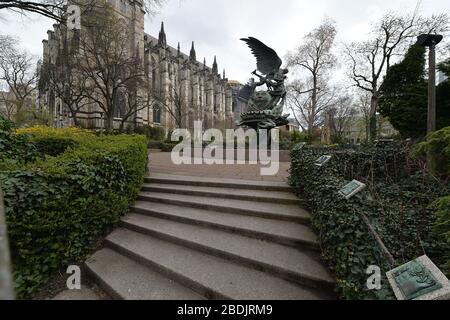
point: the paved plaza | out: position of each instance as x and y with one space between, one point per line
160 162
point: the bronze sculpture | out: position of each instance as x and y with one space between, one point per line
264 108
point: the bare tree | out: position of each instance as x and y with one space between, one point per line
105 59
342 114
18 73
7 104
54 9
48 8
309 115
362 106
313 59
134 101
368 61
174 106
64 80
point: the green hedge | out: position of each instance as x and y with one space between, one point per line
437 145
163 146
397 202
14 148
59 206
442 227
152 133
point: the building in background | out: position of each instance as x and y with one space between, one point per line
238 106
440 77
355 130
9 103
292 126
182 85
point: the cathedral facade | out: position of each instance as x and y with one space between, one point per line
186 89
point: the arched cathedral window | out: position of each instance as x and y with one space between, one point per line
154 80
157 115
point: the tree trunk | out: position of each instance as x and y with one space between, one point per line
313 106
122 125
109 122
373 118
74 117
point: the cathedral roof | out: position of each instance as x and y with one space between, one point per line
173 51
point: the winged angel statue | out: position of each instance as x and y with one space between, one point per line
264 108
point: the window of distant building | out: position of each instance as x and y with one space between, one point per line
123 6
157 115
154 80
121 105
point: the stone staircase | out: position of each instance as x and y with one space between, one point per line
201 238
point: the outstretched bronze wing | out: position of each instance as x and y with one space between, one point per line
267 59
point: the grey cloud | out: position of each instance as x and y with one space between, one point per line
217 25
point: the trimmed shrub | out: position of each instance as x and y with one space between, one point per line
152 133
14 148
289 139
52 141
59 206
168 147
163 146
396 201
442 228
437 144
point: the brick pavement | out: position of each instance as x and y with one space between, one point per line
160 162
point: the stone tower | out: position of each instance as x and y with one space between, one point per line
178 82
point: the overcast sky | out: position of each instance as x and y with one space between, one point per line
217 25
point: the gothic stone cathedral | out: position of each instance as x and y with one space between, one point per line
203 93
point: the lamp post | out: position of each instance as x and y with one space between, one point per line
430 41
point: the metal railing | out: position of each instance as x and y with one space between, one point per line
384 250
6 279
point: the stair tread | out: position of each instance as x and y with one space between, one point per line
270 227
305 264
281 195
133 281
290 210
225 278
230 183
77 295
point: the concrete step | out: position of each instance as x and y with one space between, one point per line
210 276
282 232
226 193
220 183
83 294
286 212
123 278
303 267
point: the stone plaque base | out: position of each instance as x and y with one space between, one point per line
420 279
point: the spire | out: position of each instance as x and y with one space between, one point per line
162 36
224 74
178 49
192 55
204 63
214 67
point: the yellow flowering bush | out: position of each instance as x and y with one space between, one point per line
42 131
54 141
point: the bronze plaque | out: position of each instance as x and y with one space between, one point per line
415 280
